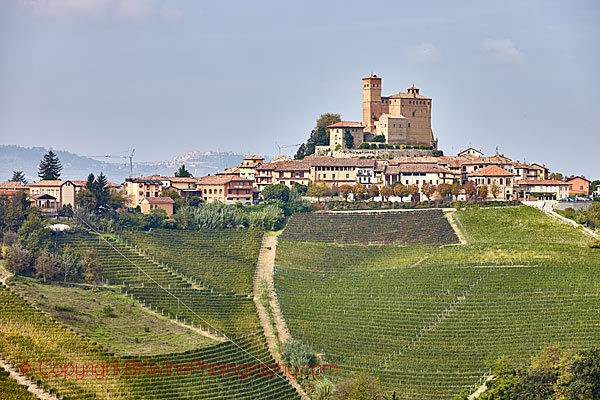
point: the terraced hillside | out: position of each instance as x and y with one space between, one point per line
138 273
401 227
429 328
223 259
11 389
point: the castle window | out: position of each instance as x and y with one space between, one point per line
413 113
409 124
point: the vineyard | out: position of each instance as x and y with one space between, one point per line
11 389
429 328
402 227
223 259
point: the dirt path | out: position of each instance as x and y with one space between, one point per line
481 388
25 381
4 274
264 270
451 217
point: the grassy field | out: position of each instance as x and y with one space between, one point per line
128 329
431 330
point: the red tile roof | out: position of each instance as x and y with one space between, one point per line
346 124
572 178
48 183
324 161
161 200
220 179
299 165
543 182
254 157
13 185
400 168
491 170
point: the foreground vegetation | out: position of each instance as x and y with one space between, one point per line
431 329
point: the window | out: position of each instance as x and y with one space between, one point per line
347 176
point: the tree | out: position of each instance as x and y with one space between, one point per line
17 211
300 188
67 261
18 176
495 190
345 191
33 235
102 192
444 190
182 172
18 259
363 387
316 189
46 265
116 200
349 140
276 192
50 167
91 265
412 191
471 190
556 175
455 189
298 354
581 380
483 191
378 139
373 191
400 191
319 135
594 185
358 190
85 199
386 192
427 189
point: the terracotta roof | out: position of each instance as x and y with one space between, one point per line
543 182
79 183
150 181
346 124
42 196
292 165
161 200
53 183
280 158
267 166
112 184
324 161
401 168
13 185
254 157
372 76
491 170
407 96
228 171
252 164
571 178
219 179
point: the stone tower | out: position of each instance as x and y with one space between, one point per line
371 101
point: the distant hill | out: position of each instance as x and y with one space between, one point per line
26 159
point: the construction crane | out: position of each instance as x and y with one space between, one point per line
285 146
130 156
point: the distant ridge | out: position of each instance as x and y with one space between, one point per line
26 159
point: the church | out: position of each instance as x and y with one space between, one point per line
402 119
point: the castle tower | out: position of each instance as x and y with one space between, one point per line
371 101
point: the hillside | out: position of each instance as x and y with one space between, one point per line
428 320
78 167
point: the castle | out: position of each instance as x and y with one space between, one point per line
402 119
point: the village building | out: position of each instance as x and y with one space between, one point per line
227 189
337 171
418 174
546 189
149 204
58 193
248 166
498 181
578 185
10 187
136 189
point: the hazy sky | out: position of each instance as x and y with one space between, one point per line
167 76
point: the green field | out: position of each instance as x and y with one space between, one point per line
430 329
11 389
128 329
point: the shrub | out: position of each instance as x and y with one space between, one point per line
594 244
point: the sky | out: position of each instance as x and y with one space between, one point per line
166 77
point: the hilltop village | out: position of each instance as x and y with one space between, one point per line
393 147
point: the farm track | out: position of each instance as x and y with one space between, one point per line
25 381
264 270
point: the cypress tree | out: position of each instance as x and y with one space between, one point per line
50 167
18 176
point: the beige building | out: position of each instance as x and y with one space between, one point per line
546 189
337 171
337 133
136 189
494 175
408 113
418 174
148 204
248 166
63 191
227 189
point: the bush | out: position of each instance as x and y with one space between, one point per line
594 244
297 354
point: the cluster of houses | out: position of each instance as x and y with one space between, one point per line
513 180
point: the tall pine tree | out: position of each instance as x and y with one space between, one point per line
50 167
18 176
182 172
